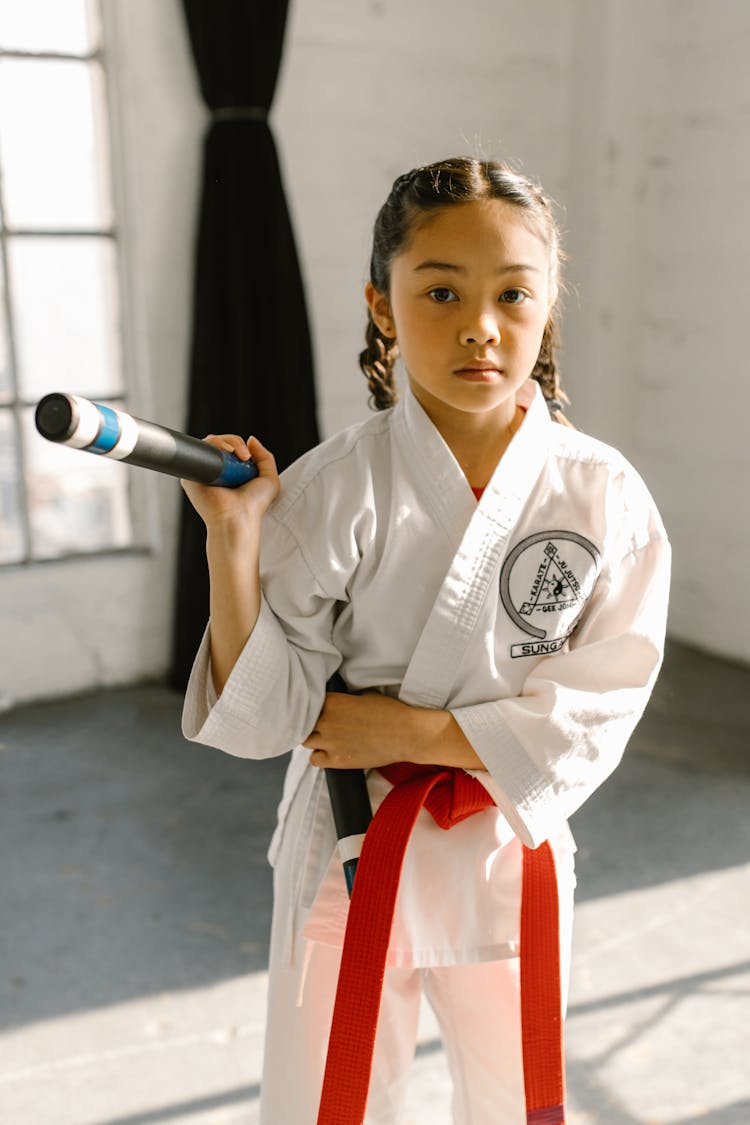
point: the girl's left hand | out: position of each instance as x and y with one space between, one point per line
363 731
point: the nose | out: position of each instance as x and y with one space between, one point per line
481 329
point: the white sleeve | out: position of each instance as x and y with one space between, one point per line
276 689
549 748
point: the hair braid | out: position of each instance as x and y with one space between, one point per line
546 372
377 362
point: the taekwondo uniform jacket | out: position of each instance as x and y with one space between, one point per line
536 616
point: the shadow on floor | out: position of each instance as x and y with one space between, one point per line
674 808
133 862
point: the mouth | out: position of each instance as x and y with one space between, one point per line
479 372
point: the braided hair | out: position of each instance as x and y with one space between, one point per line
453 181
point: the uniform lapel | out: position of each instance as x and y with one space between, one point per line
481 534
442 487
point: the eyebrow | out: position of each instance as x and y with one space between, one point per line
432 264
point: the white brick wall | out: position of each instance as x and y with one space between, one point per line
694 371
370 88
660 119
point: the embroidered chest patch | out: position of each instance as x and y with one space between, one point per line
545 582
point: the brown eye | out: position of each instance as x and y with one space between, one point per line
514 293
442 295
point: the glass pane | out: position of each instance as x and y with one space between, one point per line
66 321
5 374
6 381
53 145
78 502
11 525
48 25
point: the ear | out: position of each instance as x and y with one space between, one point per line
552 298
380 310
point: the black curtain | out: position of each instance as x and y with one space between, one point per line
251 363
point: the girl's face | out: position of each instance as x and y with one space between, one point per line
469 301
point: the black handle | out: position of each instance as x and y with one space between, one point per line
350 802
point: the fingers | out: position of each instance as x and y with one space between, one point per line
332 760
265 488
233 443
253 447
217 506
262 457
230 443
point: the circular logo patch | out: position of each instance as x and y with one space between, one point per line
545 583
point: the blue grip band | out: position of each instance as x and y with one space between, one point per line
235 472
350 870
109 433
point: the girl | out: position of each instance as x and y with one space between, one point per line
493 586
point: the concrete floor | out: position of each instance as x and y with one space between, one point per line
136 902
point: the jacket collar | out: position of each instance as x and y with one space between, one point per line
441 478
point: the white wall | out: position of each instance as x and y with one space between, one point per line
657 361
635 117
632 116
371 88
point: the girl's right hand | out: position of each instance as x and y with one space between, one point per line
219 507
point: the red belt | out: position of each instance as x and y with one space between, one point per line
450 796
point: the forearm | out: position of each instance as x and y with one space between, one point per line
441 742
233 555
233 518
372 730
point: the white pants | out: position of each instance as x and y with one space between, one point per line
477 1007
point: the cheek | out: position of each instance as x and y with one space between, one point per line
417 332
526 335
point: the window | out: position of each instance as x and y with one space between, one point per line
59 288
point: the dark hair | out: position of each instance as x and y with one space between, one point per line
448 182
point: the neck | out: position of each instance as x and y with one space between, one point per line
477 441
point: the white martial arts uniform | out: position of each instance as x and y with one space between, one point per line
537 617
